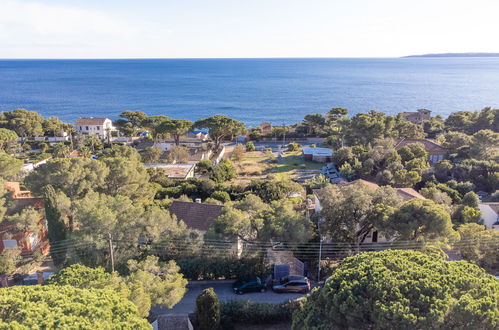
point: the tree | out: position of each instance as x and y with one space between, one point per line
238 152
454 141
270 191
52 126
351 212
221 127
152 124
57 225
365 128
314 123
7 138
419 219
64 307
396 289
60 150
250 146
149 282
484 144
162 281
93 142
479 245
28 220
127 175
73 176
128 223
208 310
135 118
175 127
25 123
152 154
10 166
221 196
8 260
461 121
178 154
336 113
224 171
204 167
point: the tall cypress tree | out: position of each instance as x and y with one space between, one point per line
56 227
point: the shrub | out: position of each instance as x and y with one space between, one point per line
208 310
222 196
211 268
248 312
250 146
293 146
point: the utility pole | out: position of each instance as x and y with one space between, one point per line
320 250
110 238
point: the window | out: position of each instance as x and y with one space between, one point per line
9 243
86 127
375 236
98 128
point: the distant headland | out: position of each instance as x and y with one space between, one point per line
457 55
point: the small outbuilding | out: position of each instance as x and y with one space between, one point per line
321 155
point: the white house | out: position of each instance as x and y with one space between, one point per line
98 126
490 217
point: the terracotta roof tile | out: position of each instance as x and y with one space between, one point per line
90 121
198 216
428 144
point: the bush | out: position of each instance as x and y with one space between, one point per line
250 146
221 196
293 146
248 312
211 268
208 310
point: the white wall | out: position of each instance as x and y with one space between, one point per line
489 217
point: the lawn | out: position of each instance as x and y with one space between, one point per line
258 164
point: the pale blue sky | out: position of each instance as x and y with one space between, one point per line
245 28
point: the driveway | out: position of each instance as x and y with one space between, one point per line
224 292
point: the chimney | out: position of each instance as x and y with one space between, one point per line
198 200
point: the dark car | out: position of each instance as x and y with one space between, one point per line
293 284
252 284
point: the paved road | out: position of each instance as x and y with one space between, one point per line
224 292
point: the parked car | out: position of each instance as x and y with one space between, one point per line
292 284
251 284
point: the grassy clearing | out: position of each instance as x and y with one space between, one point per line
258 165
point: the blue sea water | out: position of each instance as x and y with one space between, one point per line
251 90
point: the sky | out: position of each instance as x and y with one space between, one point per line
245 28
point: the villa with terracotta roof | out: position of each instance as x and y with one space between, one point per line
196 215
435 151
373 236
417 117
10 237
98 126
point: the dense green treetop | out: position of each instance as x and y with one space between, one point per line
64 307
10 166
397 289
7 137
25 123
175 127
221 127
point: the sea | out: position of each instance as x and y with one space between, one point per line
281 91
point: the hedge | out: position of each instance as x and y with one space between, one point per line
248 312
206 268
